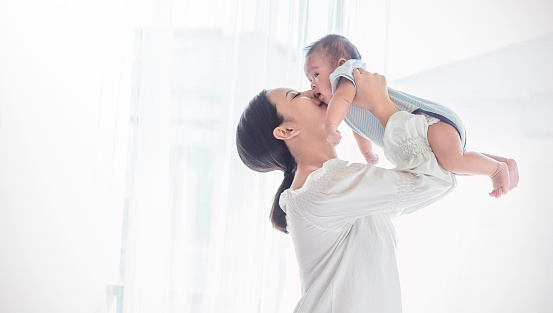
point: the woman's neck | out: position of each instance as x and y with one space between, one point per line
310 159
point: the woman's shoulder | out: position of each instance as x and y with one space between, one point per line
329 174
327 187
325 179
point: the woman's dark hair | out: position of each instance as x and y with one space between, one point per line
262 152
334 47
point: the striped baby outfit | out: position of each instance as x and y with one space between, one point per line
362 121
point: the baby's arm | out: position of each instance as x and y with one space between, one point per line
337 109
366 147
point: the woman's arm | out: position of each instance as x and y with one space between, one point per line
348 192
343 193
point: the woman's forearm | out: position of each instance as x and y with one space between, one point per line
384 111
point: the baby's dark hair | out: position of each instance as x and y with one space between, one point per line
334 47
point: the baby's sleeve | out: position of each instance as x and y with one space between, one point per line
345 70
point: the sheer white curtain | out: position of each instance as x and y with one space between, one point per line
198 234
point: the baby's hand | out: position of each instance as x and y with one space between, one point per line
333 135
371 158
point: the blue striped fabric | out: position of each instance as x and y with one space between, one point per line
362 121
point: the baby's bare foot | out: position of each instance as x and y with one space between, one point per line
513 173
500 180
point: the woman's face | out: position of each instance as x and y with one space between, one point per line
301 109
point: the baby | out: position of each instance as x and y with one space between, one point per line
333 57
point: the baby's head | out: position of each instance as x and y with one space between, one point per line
322 58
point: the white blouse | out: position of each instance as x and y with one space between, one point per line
340 221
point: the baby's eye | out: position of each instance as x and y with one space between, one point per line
316 74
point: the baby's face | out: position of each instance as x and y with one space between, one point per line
318 70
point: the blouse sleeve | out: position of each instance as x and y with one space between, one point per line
358 190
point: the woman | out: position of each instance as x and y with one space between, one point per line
339 214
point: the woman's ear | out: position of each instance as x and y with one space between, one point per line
341 61
283 132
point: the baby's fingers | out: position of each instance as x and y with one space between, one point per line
335 138
375 159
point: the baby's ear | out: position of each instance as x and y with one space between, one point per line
341 61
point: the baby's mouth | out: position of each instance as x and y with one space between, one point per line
320 97
322 100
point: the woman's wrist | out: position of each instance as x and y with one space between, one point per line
384 112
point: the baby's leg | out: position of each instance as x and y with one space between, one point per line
445 143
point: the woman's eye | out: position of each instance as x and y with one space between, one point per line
297 94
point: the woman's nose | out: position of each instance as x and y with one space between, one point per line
307 93
310 94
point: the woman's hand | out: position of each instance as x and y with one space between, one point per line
372 94
371 89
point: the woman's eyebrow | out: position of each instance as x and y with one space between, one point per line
289 91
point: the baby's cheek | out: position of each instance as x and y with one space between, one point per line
327 90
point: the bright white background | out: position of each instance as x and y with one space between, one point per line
118 167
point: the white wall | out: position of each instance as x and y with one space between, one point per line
425 34
57 165
470 252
